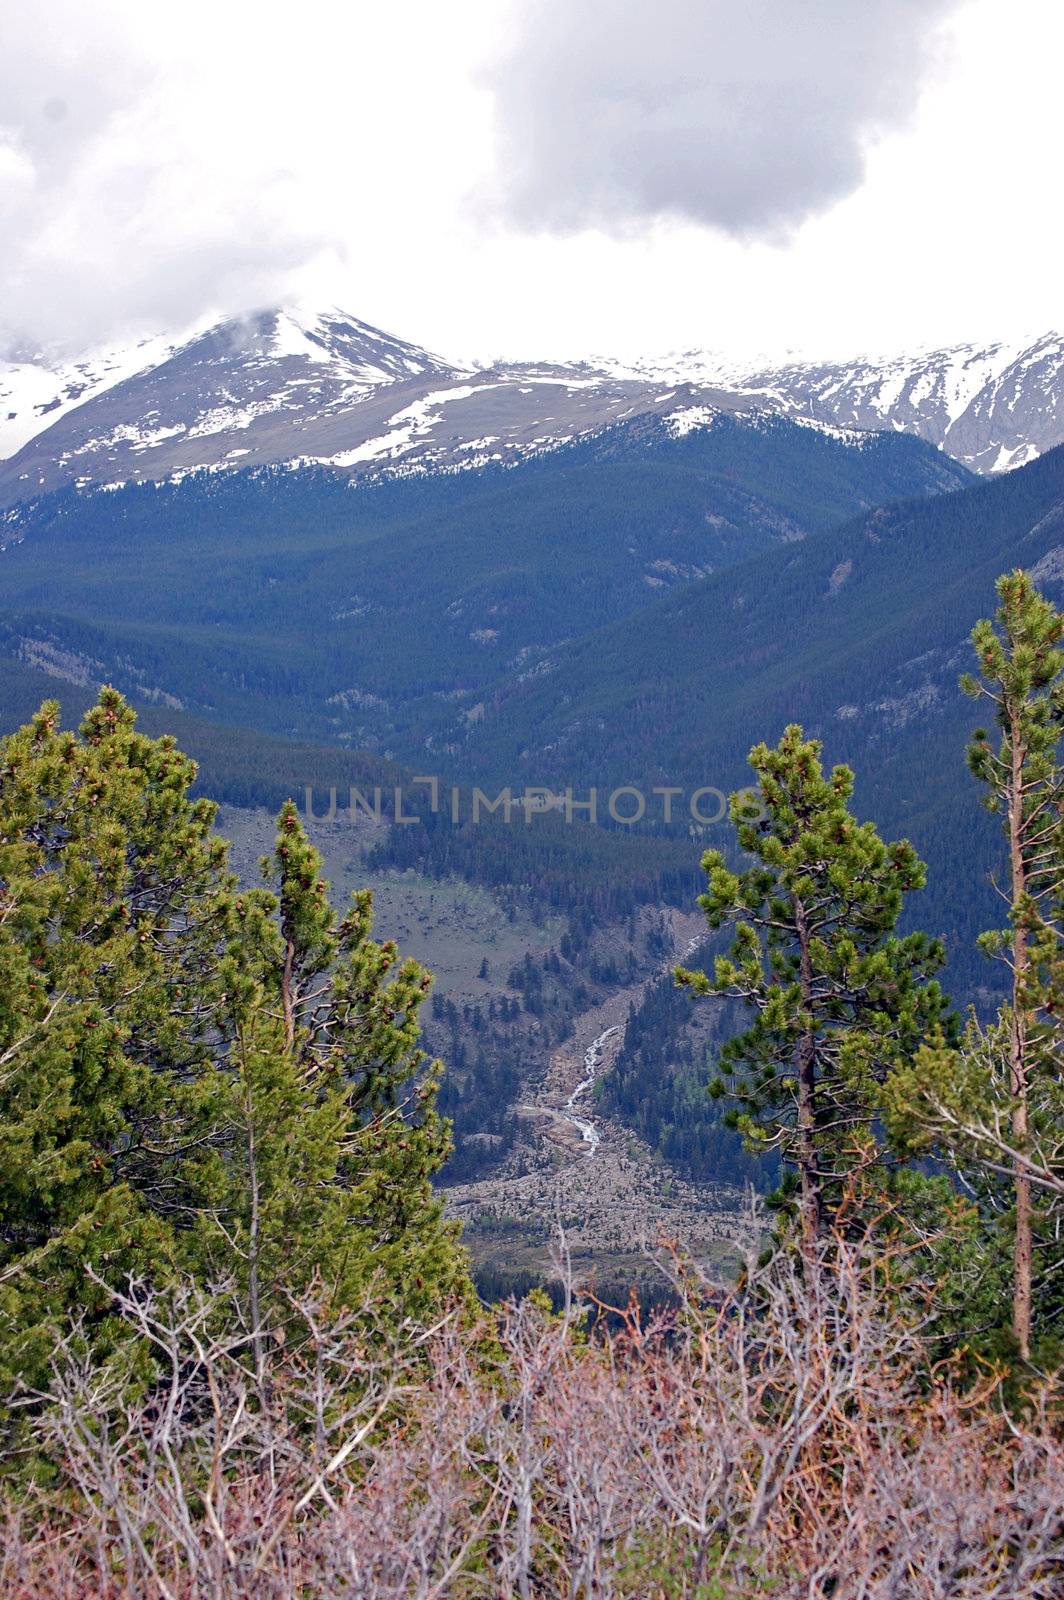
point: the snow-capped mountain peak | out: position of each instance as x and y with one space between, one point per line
37 389
248 390
992 406
334 338
299 385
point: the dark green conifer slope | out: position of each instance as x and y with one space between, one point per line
297 604
860 634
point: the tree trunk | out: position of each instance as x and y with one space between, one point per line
809 1175
288 1001
254 1298
1022 1246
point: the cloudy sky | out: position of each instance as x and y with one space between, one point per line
536 177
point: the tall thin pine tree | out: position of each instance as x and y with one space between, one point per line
838 997
1020 675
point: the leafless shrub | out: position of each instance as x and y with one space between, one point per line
788 1442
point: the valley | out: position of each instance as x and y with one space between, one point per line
616 1203
617 1200
629 602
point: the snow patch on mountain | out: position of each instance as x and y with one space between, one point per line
994 406
688 418
35 391
301 386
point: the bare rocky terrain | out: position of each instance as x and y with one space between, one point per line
614 1202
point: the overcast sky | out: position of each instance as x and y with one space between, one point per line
537 177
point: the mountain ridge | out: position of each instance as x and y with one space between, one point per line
301 388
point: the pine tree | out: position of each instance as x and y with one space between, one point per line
1003 1108
839 998
334 1135
194 1080
956 1104
115 899
1020 665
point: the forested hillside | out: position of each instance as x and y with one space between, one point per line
860 633
294 603
856 629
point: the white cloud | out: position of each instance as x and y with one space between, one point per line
129 195
749 118
158 163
